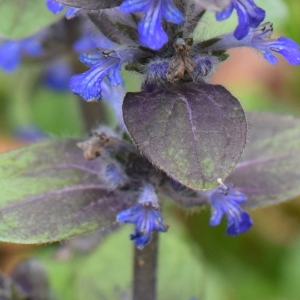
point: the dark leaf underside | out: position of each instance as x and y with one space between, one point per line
194 132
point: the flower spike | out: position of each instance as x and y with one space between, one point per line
226 200
145 215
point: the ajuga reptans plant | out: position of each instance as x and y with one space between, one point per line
188 136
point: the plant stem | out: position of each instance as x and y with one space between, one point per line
145 267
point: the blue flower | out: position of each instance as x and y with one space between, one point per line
88 84
226 201
72 12
145 215
151 32
57 75
249 16
11 52
56 8
260 39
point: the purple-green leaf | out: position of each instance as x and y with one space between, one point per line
91 4
195 132
269 171
50 192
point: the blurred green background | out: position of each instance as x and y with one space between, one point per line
196 260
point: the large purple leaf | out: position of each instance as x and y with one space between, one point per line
269 170
49 192
91 4
195 132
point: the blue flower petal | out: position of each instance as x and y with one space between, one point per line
54 6
147 219
72 12
131 6
226 201
88 84
91 59
271 58
11 52
31 46
150 29
171 13
288 48
10 55
57 76
255 14
146 216
242 225
114 75
261 40
103 64
249 16
151 32
225 13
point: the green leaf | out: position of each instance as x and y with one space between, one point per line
269 172
195 132
19 19
50 192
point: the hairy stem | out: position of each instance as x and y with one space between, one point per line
145 267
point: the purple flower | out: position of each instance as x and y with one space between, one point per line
226 201
103 64
151 32
249 16
145 215
11 52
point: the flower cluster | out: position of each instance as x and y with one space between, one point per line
158 46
